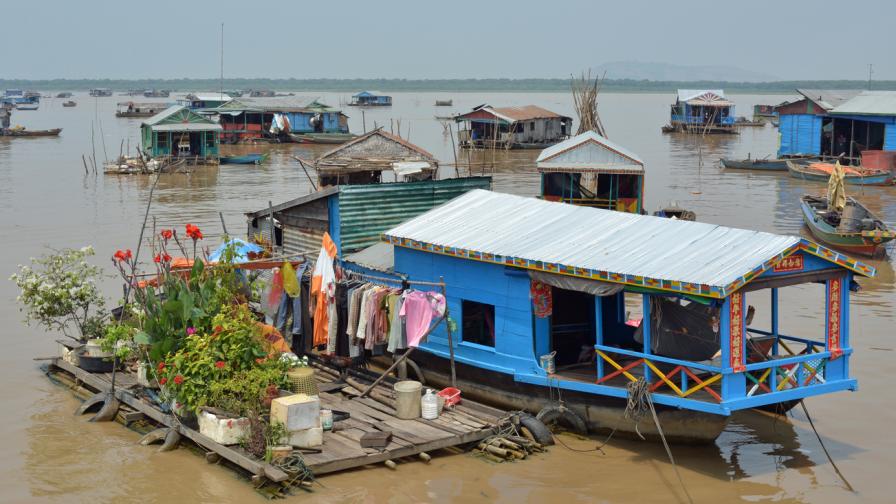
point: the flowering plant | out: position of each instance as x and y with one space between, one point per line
59 292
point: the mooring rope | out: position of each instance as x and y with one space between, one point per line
823 447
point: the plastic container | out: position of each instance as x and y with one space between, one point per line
429 405
451 395
302 381
326 419
547 362
407 399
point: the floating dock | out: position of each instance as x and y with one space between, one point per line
460 426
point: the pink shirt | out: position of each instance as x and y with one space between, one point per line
418 309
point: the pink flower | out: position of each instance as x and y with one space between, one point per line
191 331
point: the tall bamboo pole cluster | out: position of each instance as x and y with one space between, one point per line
584 93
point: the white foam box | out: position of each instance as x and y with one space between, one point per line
225 431
296 412
307 438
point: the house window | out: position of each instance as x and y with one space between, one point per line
532 126
478 323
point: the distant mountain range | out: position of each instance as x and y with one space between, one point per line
636 70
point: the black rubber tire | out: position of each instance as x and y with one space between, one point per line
564 416
537 429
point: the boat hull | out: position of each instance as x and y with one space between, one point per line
602 414
755 164
854 242
806 173
249 159
31 133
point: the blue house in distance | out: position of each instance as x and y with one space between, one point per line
371 99
834 123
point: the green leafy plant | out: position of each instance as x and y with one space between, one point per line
59 292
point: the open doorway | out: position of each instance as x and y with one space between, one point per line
572 328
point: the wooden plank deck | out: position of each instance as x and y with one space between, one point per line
464 424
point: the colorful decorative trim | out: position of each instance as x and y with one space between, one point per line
736 332
693 289
834 306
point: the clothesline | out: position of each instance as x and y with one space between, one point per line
400 279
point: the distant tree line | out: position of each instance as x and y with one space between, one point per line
447 85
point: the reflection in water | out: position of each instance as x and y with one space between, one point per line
46 200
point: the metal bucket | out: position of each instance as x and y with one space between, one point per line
407 399
547 362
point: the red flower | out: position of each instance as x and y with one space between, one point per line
194 232
167 234
166 258
163 381
122 255
157 258
178 379
161 366
220 364
218 329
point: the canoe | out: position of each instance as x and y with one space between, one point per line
754 164
69 104
855 229
254 158
821 172
30 133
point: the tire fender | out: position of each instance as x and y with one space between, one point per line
563 416
537 429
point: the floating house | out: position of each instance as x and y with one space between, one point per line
134 109
202 101
541 293
526 127
371 99
848 124
180 132
701 111
365 159
590 170
354 215
99 92
288 119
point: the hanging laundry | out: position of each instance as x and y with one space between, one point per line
542 299
418 309
271 295
290 281
323 288
397 338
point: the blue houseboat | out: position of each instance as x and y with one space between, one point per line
555 300
371 99
703 111
841 123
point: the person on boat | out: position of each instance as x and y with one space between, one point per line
841 145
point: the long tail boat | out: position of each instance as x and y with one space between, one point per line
253 158
821 172
854 229
30 133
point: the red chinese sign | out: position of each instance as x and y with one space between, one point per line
736 332
789 263
834 309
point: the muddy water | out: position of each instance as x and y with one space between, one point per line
47 202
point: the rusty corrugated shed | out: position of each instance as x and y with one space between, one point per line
365 211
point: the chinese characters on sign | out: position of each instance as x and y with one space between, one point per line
834 304
790 263
736 332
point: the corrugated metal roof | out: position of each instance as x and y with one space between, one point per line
222 97
514 114
276 104
828 98
323 193
379 256
165 114
365 211
615 246
187 127
376 150
589 151
703 97
869 103
196 122
369 93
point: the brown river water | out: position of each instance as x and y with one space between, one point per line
47 454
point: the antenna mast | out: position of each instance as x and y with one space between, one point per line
222 61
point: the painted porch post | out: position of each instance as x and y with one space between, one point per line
775 320
599 332
836 326
732 342
645 323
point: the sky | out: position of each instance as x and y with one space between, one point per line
423 39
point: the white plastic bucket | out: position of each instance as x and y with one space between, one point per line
407 399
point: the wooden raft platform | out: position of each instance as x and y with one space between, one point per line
461 425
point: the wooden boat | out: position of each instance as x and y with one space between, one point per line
821 172
444 103
65 94
744 122
27 106
754 164
69 103
22 132
322 138
855 229
253 158
672 210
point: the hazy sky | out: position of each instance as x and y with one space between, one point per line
819 39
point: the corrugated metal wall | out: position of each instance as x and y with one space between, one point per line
800 134
890 137
298 240
365 211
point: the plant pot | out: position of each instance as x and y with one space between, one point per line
143 376
225 431
93 364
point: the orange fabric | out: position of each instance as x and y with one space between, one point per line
273 340
323 275
828 168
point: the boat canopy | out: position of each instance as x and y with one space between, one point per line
693 258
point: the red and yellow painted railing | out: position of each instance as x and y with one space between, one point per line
688 382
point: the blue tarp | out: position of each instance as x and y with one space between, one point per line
241 247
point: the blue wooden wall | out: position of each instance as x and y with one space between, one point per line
505 288
799 134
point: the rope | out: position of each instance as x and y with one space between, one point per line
830 459
294 465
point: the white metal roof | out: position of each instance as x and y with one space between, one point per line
690 94
209 97
163 114
187 127
589 151
828 98
869 103
527 229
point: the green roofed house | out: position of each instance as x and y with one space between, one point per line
179 132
